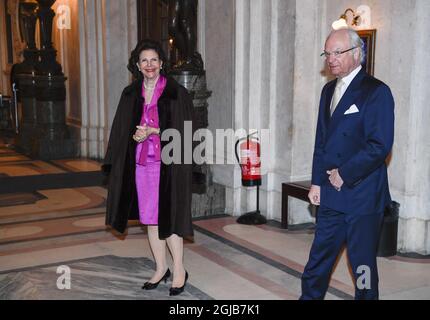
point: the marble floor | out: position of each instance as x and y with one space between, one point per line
54 245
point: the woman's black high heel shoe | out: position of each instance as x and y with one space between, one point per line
150 286
177 291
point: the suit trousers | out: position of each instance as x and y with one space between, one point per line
333 230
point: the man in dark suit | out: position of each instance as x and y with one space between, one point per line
355 132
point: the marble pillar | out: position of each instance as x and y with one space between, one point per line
66 41
307 83
51 138
217 45
195 83
410 176
263 86
108 33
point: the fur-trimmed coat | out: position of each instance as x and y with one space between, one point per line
174 107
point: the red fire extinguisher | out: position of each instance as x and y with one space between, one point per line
249 160
250 163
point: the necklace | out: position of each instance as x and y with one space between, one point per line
149 88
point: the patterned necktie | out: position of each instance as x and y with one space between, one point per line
336 96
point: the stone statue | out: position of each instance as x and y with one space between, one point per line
27 23
27 28
183 30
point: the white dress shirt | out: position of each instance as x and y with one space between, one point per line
348 79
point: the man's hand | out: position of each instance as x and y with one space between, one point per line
314 195
335 179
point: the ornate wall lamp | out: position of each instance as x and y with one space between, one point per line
358 19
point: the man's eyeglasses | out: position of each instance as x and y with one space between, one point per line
335 53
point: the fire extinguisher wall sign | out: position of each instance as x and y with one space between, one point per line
249 160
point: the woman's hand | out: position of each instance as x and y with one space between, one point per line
141 133
144 132
151 130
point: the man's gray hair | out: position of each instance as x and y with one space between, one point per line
356 41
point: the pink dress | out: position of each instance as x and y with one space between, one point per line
148 161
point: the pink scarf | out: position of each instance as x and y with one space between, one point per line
150 117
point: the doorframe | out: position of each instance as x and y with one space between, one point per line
6 50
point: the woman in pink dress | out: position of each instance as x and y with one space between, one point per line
141 185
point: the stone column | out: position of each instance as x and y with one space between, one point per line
45 134
410 176
54 139
265 42
108 34
217 42
195 83
189 72
310 32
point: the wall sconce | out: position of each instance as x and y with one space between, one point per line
361 19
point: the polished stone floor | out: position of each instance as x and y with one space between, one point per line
52 217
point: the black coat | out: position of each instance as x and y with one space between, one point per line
174 216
